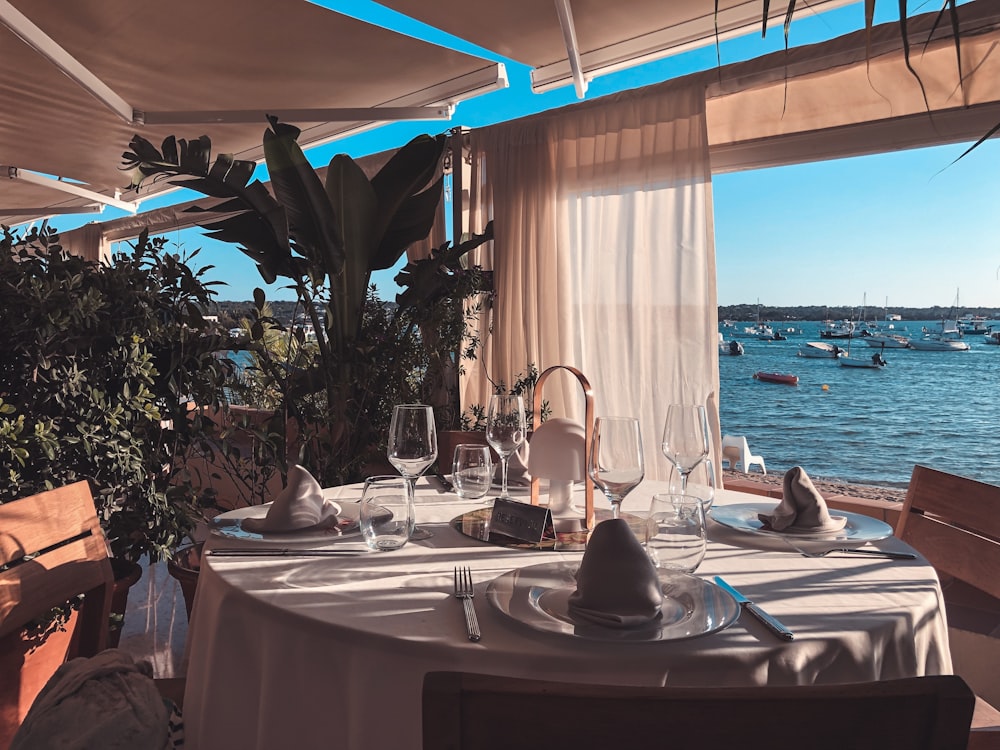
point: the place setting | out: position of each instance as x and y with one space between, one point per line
801 522
635 582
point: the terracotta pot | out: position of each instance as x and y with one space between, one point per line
127 574
185 565
26 664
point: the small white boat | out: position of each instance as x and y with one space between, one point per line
819 350
874 362
932 344
841 329
887 341
944 338
732 347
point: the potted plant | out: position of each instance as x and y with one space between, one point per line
101 367
325 238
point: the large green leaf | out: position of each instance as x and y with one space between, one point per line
406 173
412 221
311 219
356 206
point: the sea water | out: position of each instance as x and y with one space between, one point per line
940 409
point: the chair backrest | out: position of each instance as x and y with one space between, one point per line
955 523
479 712
52 549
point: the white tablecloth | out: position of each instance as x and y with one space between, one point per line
331 652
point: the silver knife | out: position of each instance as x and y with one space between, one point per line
772 624
283 552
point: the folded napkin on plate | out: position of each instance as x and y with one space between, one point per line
299 507
616 585
802 508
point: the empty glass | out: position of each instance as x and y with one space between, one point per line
685 438
702 483
615 463
506 430
472 471
387 513
412 445
675 532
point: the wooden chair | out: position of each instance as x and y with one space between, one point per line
52 549
954 522
479 712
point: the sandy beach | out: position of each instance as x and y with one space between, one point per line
825 486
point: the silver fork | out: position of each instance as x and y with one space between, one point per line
465 591
865 552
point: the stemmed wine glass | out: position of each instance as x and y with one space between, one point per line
685 438
412 446
615 463
506 430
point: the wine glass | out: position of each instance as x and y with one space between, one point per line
615 463
702 483
506 429
412 446
685 438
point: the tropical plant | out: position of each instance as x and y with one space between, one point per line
326 238
98 372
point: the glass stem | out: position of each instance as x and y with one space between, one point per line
616 506
503 472
684 482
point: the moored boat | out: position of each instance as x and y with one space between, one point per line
875 362
993 337
777 377
819 349
945 337
887 341
841 329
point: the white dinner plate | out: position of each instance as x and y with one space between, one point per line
859 528
230 525
538 596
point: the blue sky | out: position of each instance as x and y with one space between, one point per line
908 227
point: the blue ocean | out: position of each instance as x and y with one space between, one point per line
866 426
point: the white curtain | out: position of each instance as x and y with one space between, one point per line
604 255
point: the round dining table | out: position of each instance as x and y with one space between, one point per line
289 651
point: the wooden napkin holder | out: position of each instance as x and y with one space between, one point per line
588 426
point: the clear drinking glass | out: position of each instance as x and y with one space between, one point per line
675 532
412 445
506 430
615 463
472 471
685 438
387 513
702 483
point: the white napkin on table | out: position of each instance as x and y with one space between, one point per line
616 585
802 508
299 507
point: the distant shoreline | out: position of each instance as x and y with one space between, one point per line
771 314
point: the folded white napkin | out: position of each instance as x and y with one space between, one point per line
616 585
299 507
802 508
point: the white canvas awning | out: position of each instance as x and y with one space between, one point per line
189 61
603 35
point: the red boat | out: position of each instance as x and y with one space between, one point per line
777 377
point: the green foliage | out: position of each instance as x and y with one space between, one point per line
99 367
330 409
